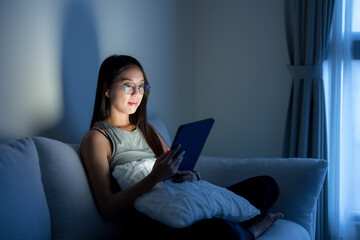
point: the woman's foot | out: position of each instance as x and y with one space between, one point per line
260 227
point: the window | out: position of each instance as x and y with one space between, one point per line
342 87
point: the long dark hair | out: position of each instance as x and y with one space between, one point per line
110 68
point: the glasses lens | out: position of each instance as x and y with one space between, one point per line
144 88
129 88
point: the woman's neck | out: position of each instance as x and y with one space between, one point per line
122 122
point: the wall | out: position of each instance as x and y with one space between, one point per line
221 59
52 50
30 87
242 81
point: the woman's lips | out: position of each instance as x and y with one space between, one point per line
132 103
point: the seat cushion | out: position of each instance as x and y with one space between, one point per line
24 212
284 230
73 211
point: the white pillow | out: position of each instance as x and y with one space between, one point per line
179 205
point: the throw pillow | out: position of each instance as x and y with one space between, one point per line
179 205
24 212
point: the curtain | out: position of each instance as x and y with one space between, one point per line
307 25
342 87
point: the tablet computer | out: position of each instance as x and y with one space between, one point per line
192 137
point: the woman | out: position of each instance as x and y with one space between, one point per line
119 133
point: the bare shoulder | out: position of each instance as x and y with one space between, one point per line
95 150
95 143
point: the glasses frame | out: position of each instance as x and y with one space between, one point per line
146 87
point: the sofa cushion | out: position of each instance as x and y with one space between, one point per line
24 211
284 230
73 211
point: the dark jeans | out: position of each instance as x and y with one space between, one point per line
261 191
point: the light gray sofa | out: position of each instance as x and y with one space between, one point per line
45 194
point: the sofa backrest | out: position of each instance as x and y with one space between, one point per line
160 126
72 208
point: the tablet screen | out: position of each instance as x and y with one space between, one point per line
192 137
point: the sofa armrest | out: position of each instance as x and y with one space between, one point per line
300 181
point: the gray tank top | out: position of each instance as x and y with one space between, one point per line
126 146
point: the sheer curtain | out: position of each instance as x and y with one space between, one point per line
342 91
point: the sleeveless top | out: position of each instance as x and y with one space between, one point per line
126 146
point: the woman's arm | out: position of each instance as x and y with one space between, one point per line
95 150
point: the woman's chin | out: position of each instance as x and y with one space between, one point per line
132 111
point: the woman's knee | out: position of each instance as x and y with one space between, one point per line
272 185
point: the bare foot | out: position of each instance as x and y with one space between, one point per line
260 227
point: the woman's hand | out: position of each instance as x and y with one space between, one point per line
167 164
185 176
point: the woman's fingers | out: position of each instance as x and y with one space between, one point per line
164 155
167 164
174 158
174 162
169 154
183 176
172 152
183 172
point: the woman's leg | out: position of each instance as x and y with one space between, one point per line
216 228
143 227
262 192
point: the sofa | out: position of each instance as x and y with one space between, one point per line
45 193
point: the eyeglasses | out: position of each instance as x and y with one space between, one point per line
130 88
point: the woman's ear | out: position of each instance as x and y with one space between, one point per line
107 93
